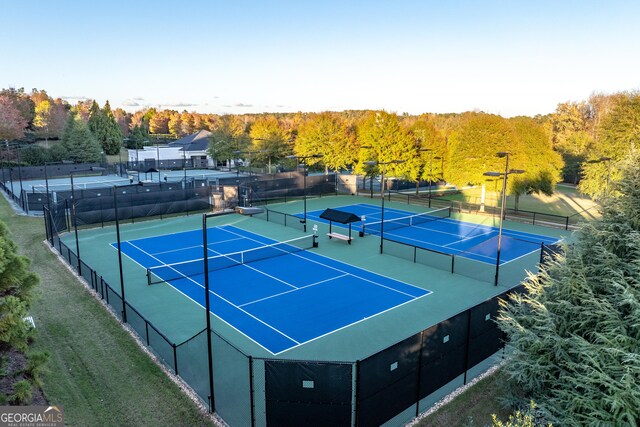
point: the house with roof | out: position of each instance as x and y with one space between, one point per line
192 149
195 148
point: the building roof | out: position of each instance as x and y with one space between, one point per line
198 141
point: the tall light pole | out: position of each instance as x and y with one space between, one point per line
124 301
503 203
212 401
73 210
303 161
382 191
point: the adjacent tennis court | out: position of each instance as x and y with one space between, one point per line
435 231
279 294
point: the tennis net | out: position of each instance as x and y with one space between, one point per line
407 221
195 268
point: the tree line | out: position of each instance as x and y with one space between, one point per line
566 145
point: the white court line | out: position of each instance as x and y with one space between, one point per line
435 247
491 233
351 274
293 290
204 308
354 323
191 247
412 298
219 296
177 250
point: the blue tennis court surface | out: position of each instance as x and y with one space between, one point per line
436 231
279 302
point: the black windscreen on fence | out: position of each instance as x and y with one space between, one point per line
388 382
285 185
136 202
308 393
444 353
485 338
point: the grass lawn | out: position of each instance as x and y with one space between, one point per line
96 370
566 201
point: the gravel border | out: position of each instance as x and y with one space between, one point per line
457 392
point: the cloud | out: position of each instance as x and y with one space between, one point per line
179 105
76 98
130 103
242 105
138 99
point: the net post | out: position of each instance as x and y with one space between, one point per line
148 277
315 234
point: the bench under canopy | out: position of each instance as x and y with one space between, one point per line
342 217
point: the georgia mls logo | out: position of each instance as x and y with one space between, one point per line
31 416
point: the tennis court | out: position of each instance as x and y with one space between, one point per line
80 182
278 294
436 231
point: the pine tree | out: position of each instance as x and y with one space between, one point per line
16 293
79 142
102 123
575 336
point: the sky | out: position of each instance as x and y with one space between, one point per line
507 57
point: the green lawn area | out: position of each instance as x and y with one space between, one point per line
96 370
566 201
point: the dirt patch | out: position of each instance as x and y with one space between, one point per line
12 369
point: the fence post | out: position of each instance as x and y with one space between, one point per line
466 353
251 398
175 358
419 374
356 403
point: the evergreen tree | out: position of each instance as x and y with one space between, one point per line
16 293
78 141
137 137
105 128
575 335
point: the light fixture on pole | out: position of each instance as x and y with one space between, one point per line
382 191
504 174
303 161
73 210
